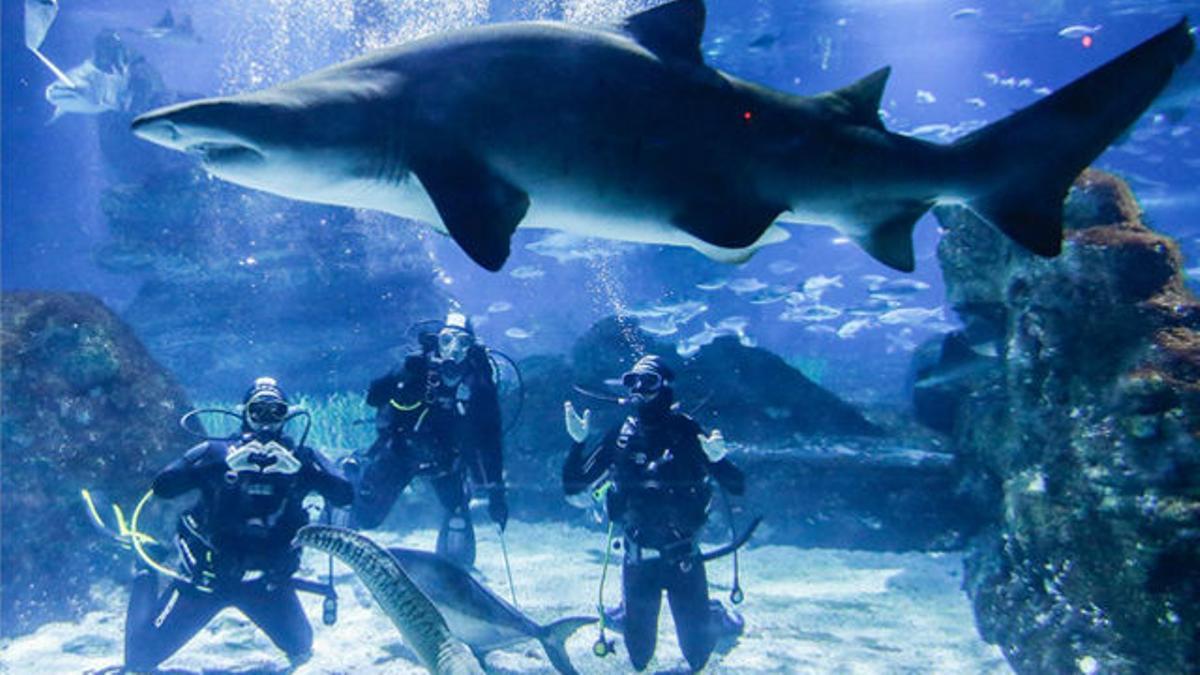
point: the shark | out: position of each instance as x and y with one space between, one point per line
479 617
624 132
410 611
88 91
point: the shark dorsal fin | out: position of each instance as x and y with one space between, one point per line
863 97
672 31
167 20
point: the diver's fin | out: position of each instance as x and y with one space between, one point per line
554 640
726 221
862 98
889 237
1028 160
479 208
672 31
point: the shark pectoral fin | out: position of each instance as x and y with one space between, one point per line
727 223
672 30
889 238
479 208
554 641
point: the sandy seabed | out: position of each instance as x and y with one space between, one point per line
806 611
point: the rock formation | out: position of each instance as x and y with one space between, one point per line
84 407
1081 440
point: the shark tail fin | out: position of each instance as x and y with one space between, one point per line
554 641
1029 159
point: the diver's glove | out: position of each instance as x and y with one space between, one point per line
577 426
498 507
259 458
713 445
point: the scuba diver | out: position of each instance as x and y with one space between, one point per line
652 472
235 542
438 416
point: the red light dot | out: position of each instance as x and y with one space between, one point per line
747 115
1087 41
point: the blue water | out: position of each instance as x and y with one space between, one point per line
955 66
948 60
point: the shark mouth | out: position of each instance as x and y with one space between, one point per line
218 153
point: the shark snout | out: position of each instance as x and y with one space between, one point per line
206 129
157 129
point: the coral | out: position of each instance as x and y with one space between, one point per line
1082 440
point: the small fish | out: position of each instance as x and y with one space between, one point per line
873 281
1043 91
976 102
966 13
659 326
683 312
815 287
1078 31
937 130
925 97
499 306
782 267
1024 83
768 297
528 272
902 286
712 284
736 324
810 313
874 306
853 327
744 285
821 329
518 333
565 247
910 316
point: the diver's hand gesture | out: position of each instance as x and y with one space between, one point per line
713 445
577 426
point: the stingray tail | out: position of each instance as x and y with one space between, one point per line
554 641
1028 161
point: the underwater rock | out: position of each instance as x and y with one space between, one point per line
84 407
847 484
1086 445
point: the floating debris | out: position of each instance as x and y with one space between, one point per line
518 333
499 306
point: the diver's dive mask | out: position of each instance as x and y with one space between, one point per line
266 413
647 379
642 383
453 344
265 408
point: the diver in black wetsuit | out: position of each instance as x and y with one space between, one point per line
439 416
657 463
236 541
